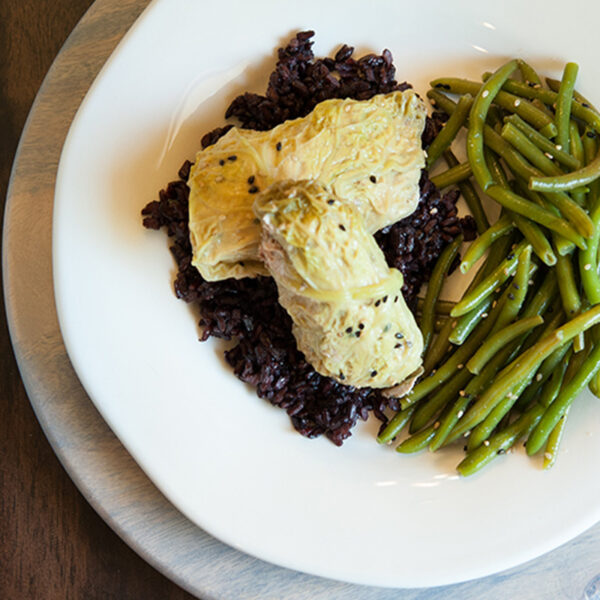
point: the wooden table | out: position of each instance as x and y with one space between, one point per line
53 545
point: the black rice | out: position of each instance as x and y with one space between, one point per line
247 310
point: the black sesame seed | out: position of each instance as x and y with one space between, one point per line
385 298
373 179
221 162
396 299
348 329
251 179
342 227
585 105
591 134
399 335
531 83
373 373
361 325
232 157
342 376
278 146
516 286
330 201
501 451
378 303
465 448
511 296
398 346
241 263
253 190
357 334
510 256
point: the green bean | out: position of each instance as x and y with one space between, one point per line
590 149
588 258
553 384
441 101
568 181
554 85
467 322
569 294
508 101
576 145
521 167
563 104
497 341
570 209
540 215
535 236
439 348
528 72
446 136
554 440
530 230
485 96
479 246
529 150
396 425
504 270
474 387
484 430
445 371
417 442
500 442
543 143
565 398
581 110
471 197
442 307
525 364
562 244
517 291
451 176
426 410
434 286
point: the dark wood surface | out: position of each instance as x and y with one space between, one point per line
53 546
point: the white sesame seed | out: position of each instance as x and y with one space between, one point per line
537 86
219 179
517 102
460 414
485 94
484 315
467 433
548 155
539 377
433 211
530 282
494 303
587 266
558 146
506 272
560 335
486 442
436 425
548 455
461 394
460 366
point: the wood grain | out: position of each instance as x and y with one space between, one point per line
53 545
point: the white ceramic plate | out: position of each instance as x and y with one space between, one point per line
228 460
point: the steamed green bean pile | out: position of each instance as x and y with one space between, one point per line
504 363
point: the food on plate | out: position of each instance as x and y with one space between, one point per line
524 340
368 152
350 319
264 353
